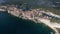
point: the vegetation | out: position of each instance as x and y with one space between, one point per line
55 20
58 30
19 1
12 1
33 4
51 9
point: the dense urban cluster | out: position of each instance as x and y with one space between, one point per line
23 13
36 15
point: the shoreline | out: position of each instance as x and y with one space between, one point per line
46 22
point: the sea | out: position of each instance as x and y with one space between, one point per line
10 24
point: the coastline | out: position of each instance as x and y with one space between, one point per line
47 22
42 20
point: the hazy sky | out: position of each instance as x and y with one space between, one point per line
1 1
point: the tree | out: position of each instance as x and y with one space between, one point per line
30 2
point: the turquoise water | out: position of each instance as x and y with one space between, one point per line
12 25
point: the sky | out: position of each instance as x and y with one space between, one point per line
1 1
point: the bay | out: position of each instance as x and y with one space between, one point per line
10 24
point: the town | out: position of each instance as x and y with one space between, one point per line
31 13
35 15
